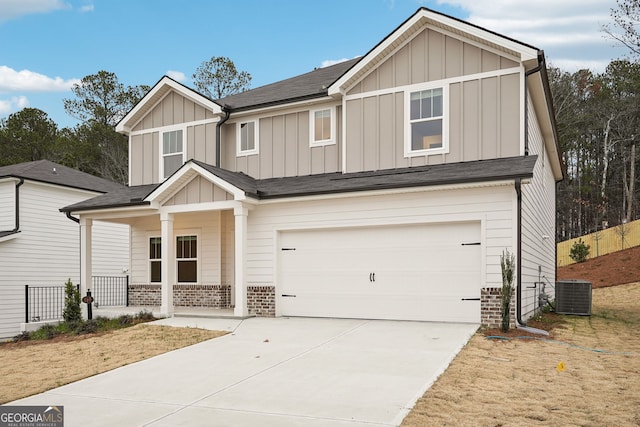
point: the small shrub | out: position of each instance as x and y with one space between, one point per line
579 251
145 316
71 312
88 327
125 320
507 263
22 336
45 332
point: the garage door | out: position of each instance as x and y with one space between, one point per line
415 272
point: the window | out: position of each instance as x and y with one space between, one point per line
172 152
247 138
155 265
426 121
322 129
187 257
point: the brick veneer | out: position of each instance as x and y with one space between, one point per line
144 295
490 313
261 300
216 296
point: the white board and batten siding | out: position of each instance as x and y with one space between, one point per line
7 204
538 223
46 252
483 215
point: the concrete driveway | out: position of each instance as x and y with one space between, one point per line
271 372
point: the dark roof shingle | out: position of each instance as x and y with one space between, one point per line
310 85
334 183
53 173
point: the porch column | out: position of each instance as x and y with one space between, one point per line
168 271
85 259
240 286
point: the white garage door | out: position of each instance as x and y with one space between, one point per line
415 272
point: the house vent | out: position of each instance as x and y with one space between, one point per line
573 297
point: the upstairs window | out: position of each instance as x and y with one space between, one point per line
172 152
426 124
187 258
322 127
247 138
155 263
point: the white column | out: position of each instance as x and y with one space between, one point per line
168 267
241 214
85 259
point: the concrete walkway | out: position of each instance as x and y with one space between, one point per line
271 372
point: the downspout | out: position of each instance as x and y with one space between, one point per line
519 322
227 113
518 187
526 99
17 206
73 218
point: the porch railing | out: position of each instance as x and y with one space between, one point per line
43 303
110 291
47 302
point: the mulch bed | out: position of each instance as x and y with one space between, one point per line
617 268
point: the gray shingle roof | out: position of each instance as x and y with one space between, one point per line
334 183
123 196
53 173
313 84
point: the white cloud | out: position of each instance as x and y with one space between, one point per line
13 104
569 31
330 62
25 80
10 9
177 75
87 8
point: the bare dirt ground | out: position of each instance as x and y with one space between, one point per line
587 373
31 367
608 270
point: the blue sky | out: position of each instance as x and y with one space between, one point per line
48 45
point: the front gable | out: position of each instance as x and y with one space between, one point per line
193 183
198 190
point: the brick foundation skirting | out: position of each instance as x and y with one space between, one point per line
144 295
490 313
261 300
214 296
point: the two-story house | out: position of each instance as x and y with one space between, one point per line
384 187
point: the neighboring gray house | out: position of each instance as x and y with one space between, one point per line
39 245
384 187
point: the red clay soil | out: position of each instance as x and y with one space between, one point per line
617 268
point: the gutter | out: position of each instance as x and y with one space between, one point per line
227 113
72 218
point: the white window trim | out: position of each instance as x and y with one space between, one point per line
197 259
161 133
149 259
312 127
256 141
408 152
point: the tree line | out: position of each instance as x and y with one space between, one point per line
100 102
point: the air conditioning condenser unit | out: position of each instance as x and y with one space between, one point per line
573 297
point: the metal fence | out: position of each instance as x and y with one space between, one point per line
110 291
47 302
43 303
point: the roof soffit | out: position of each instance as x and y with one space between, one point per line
426 18
157 93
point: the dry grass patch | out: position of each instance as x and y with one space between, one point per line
31 367
517 382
